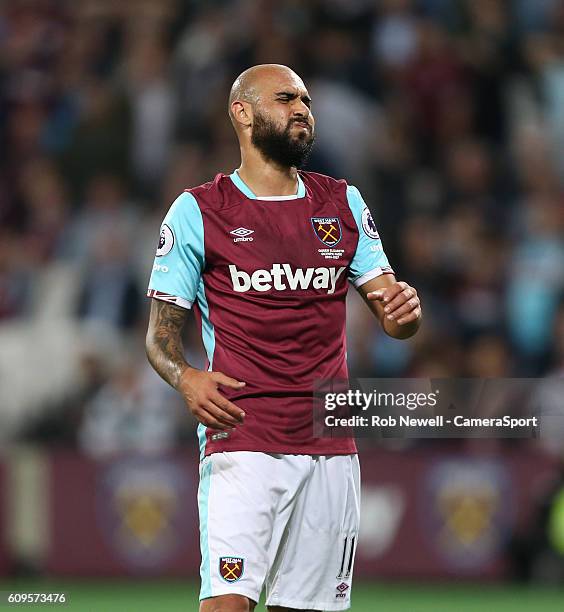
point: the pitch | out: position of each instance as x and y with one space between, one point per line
178 596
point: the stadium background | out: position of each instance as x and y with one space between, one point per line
449 117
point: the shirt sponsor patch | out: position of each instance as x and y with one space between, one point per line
282 277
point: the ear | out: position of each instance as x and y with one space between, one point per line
242 113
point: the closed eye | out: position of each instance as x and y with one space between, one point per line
287 96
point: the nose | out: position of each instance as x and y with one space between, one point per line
301 109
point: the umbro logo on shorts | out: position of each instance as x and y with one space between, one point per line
231 568
342 588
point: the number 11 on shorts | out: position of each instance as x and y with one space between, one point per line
347 557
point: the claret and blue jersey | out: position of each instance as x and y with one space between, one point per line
268 278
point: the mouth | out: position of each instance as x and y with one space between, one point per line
302 124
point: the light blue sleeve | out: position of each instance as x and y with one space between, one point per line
179 261
369 260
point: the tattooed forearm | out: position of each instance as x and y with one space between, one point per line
164 343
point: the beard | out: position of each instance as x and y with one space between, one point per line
280 146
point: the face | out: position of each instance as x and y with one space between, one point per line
283 126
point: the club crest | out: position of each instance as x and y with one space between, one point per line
231 568
327 229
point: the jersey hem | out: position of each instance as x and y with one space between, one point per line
375 273
282 450
171 299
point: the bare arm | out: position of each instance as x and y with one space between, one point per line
395 304
164 342
199 389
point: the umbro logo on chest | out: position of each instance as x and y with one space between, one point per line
242 234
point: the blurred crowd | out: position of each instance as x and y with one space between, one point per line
448 115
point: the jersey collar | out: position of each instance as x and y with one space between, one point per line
243 187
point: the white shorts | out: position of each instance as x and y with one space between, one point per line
286 522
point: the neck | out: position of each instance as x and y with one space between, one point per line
264 177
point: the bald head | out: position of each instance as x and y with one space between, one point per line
253 82
270 109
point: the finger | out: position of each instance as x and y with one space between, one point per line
228 407
412 316
391 292
400 300
217 413
221 379
376 295
410 305
207 419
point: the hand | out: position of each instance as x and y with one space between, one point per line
401 302
200 392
